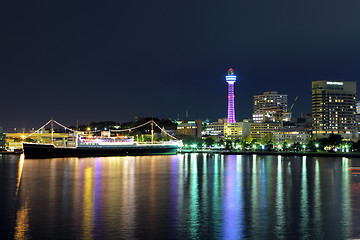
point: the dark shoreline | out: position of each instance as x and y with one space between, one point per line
11 153
227 152
310 154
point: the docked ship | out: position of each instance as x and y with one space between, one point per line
93 146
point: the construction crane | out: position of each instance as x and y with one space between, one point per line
292 105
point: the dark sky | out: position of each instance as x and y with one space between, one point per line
114 60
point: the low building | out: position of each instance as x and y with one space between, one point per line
259 130
190 128
216 128
291 135
237 129
2 139
271 114
14 140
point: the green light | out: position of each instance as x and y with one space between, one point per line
316 145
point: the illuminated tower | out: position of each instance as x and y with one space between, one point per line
231 79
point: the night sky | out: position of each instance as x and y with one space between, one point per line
114 60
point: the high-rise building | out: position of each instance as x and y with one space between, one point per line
334 109
231 79
270 107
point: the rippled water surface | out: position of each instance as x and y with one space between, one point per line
192 196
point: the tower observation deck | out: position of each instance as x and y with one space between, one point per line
231 79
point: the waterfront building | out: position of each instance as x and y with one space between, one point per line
231 79
190 128
237 129
259 130
291 135
270 107
334 109
14 140
215 128
2 139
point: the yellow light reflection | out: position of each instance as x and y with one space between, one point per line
22 222
22 215
88 203
20 170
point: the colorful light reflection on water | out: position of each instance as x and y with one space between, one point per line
187 196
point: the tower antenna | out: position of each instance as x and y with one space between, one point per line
231 79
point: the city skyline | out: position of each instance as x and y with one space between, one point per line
92 62
230 110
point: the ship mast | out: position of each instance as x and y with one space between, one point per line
152 131
52 130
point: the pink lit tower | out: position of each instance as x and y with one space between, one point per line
231 79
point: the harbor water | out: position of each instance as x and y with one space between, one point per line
184 196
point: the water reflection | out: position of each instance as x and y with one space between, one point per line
279 201
22 222
189 196
304 202
317 203
346 204
87 221
233 202
20 170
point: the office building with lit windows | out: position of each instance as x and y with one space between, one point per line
216 128
270 107
189 128
259 130
291 135
269 100
334 109
237 130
